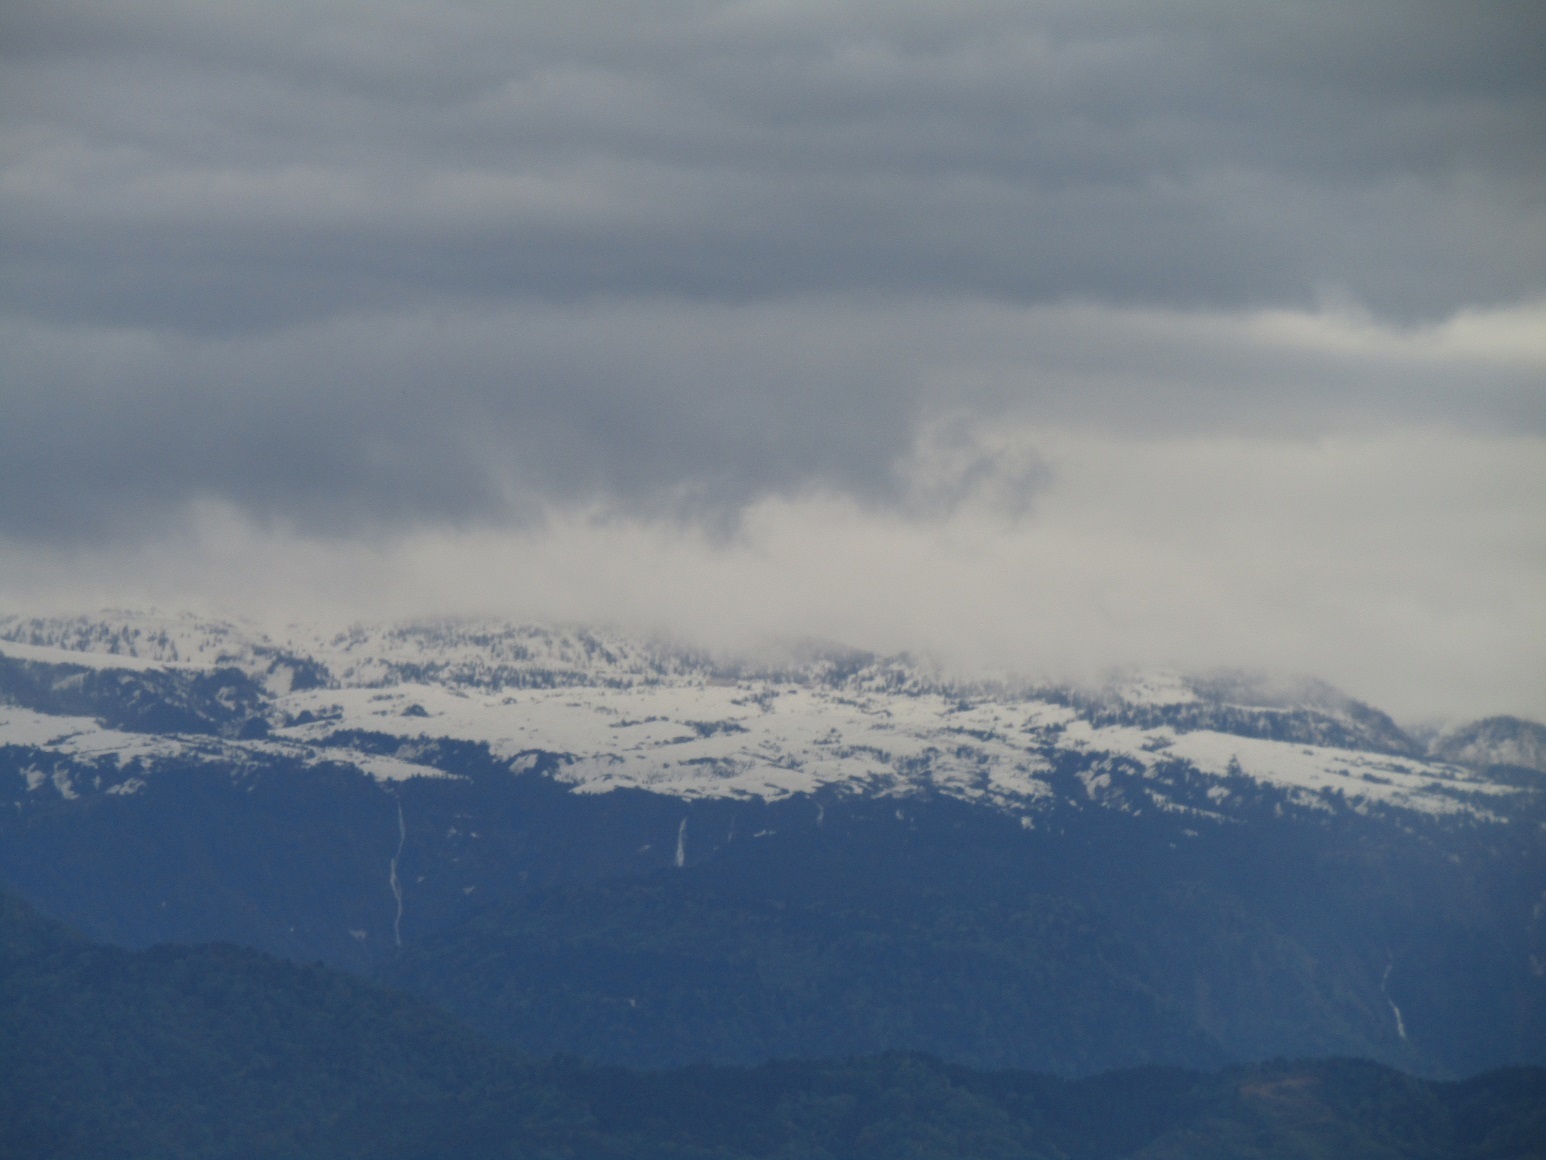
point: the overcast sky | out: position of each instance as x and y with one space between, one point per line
1040 336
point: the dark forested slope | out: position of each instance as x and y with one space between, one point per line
214 1051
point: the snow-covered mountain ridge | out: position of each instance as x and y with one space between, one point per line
584 842
601 711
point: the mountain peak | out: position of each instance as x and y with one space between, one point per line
1495 741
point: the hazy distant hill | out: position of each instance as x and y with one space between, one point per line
1495 741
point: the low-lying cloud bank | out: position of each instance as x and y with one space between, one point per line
1404 566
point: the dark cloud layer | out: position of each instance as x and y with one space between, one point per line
348 263
670 408
250 164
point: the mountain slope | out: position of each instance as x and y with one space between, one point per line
1495 741
199 1052
211 1051
584 843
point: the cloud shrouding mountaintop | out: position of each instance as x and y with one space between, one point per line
1218 329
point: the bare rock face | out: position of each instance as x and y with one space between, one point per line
1495 741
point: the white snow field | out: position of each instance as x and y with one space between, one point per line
621 713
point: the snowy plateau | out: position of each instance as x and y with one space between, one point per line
608 712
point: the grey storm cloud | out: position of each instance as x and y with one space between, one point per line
340 263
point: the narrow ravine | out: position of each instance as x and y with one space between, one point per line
397 887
